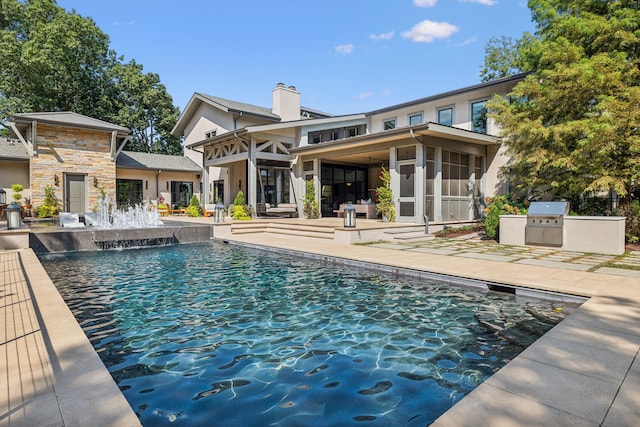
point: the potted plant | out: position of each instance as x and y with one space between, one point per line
17 193
384 203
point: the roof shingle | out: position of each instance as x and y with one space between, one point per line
135 160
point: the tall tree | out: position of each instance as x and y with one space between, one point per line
54 60
573 124
141 103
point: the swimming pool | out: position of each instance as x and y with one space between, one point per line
208 334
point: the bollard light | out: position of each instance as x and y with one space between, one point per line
219 214
3 197
349 217
13 216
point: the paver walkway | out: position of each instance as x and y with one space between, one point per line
472 246
49 373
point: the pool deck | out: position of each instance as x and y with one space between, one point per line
583 372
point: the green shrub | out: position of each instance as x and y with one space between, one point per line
193 211
509 204
632 224
50 207
194 207
240 211
385 203
310 202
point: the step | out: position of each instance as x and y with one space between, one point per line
316 235
301 227
405 230
414 236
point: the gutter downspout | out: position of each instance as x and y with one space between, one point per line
158 184
235 121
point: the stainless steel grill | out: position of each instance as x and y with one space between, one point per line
545 223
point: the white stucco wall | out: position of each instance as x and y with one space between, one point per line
13 172
148 178
591 234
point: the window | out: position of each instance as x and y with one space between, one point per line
479 116
218 191
445 116
129 192
335 135
415 119
429 187
406 153
317 139
455 174
307 166
211 133
354 131
389 124
181 193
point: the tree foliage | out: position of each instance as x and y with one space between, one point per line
54 60
573 124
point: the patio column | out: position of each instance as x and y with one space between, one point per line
252 175
395 178
437 185
420 177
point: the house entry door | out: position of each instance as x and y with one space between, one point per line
75 190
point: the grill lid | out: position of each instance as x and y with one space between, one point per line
548 209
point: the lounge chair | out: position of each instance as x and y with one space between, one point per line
70 220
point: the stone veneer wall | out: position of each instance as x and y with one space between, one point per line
70 150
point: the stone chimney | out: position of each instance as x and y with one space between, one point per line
286 102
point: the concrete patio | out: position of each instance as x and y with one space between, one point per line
583 372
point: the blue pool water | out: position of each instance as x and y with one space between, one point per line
209 334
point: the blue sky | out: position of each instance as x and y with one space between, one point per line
344 56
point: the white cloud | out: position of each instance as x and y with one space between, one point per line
344 49
485 2
428 31
387 92
425 3
365 95
383 36
123 24
467 41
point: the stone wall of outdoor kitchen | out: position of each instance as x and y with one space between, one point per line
65 150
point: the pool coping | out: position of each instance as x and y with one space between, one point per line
584 371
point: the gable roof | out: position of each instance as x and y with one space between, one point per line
226 105
12 149
232 106
69 118
165 162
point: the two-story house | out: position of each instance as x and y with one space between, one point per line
442 151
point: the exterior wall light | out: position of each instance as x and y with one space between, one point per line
95 181
56 181
13 216
349 217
